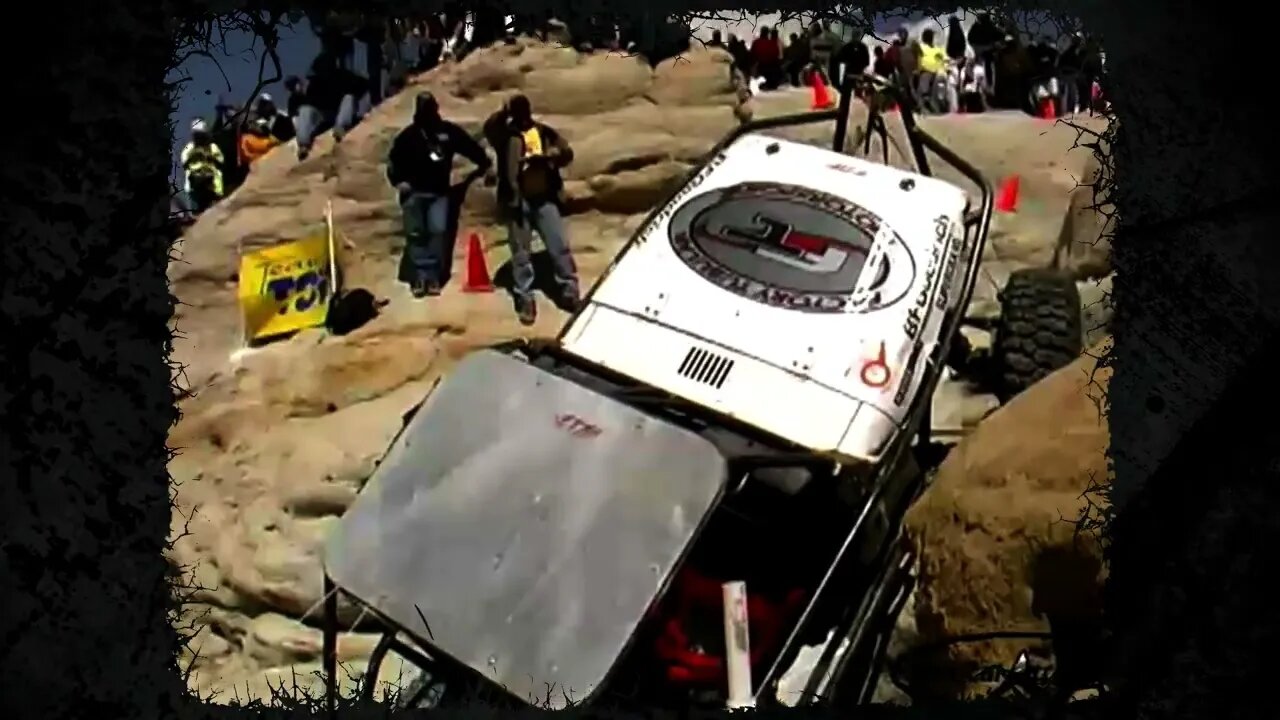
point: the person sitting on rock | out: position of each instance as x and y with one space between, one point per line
202 161
256 142
530 196
331 98
420 166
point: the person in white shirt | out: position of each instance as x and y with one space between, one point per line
971 76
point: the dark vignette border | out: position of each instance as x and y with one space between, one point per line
88 397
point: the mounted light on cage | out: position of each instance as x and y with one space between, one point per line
875 372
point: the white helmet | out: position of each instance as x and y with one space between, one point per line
199 126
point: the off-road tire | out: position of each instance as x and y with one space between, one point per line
1039 330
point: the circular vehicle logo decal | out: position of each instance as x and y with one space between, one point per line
792 247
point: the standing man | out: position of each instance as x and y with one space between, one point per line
852 59
1070 71
529 191
904 55
420 166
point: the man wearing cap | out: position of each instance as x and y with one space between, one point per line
279 125
529 191
420 166
202 162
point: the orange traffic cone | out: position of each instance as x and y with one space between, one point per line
821 98
1047 111
1007 195
478 280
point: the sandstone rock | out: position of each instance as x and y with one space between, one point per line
614 150
600 82
238 684
698 77
273 560
275 640
486 74
994 533
634 191
204 645
1095 307
1084 242
311 499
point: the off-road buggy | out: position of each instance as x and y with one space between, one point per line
741 405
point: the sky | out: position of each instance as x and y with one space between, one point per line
238 60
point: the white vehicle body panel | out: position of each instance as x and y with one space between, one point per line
793 288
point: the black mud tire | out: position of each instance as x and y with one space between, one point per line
1039 330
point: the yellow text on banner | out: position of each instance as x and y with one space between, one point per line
285 288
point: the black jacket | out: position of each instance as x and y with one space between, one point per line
956 41
855 56
423 157
1072 59
984 33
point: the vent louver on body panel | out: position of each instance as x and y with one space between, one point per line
705 367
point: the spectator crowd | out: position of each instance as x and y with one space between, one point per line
989 66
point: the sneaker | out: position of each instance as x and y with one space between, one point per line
303 153
419 289
527 312
432 289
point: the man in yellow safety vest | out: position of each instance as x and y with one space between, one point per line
933 72
202 161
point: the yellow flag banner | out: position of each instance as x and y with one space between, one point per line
285 288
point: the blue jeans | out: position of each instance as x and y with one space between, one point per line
311 122
426 222
545 220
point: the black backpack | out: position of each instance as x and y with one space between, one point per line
538 178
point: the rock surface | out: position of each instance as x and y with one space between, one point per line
1084 243
276 441
995 534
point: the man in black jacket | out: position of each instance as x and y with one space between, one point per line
985 38
529 191
957 43
420 167
852 58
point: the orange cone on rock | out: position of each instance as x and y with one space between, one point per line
821 98
478 280
1007 195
